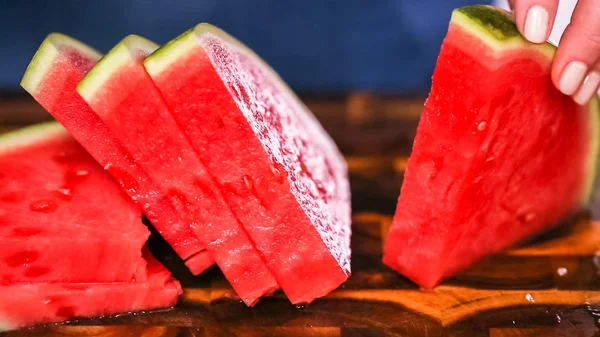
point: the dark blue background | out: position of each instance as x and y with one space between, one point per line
386 45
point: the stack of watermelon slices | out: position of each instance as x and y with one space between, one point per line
71 240
218 152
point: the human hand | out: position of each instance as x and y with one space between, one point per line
576 67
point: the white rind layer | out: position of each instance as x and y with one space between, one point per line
126 51
46 55
16 140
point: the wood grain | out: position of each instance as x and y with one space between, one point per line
549 286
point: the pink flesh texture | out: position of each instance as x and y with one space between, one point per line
28 304
134 110
48 213
472 190
281 174
57 94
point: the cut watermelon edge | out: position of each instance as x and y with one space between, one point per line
184 44
48 51
122 53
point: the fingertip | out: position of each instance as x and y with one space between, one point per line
536 28
535 18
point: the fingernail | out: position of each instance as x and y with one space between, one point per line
572 76
536 24
588 88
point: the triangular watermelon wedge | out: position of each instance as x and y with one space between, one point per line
281 174
28 304
51 78
117 89
500 154
63 221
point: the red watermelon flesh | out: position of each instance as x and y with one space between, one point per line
499 155
50 228
281 174
29 304
51 79
118 89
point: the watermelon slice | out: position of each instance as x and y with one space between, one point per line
51 79
28 304
488 165
48 188
117 89
280 173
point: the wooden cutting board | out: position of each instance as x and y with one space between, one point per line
548 287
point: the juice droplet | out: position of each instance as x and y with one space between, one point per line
43 206
558 319
562 271
64 193
22 258
36 271
247 181
126 180
529 298
301 305
26 232
74 177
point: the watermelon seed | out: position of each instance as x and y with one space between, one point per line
481 126
276 170
23 258
490 159
81 173
47 301
527 217
247 181
43 206
562 271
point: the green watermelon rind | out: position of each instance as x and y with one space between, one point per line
121 54
43 59
15 140
594 158
497 29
